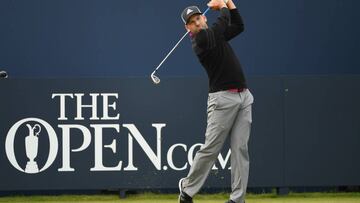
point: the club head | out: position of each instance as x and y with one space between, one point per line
155 79
3 74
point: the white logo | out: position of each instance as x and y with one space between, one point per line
188 11
31 145
31 148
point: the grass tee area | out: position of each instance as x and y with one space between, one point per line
211 198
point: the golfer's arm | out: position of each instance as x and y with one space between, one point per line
223 21
230 4
207 38
237 25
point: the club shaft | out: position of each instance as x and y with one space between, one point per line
206 10
176 45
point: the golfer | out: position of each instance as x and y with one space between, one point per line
229 100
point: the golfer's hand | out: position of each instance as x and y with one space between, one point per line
217 4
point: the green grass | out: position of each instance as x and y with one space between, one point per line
172 198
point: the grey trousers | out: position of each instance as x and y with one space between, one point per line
229 114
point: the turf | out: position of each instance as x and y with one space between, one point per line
217 198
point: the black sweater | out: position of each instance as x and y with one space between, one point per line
216 55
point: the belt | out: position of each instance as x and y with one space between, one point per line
237 89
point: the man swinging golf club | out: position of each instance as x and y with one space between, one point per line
229 100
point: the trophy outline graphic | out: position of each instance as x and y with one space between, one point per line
31 148
49 132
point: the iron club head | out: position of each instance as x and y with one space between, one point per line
3 74
155 79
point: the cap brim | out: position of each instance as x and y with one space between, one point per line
187 21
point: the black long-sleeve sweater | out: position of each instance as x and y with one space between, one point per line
215 53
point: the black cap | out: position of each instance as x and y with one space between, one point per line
188 12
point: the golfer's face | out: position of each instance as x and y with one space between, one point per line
196 23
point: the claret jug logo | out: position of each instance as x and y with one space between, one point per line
31 144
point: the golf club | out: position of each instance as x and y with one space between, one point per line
3 74
156 79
